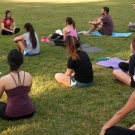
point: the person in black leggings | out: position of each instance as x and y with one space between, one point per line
6 23
110 129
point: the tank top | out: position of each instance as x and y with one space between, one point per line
72 32
18 101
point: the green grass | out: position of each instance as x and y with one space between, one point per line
61 110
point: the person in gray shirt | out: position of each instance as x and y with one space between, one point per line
28 43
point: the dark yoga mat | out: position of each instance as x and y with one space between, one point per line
85 47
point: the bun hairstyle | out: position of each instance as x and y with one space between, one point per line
15 59
70 21
7 11
72 44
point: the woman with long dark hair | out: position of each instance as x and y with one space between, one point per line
28 43
17 84
79 71
6 23
70 29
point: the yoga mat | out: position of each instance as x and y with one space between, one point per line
88 49
85 47
112 63
114 34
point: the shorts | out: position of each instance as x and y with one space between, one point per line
25 53
103 31
74 83
132 83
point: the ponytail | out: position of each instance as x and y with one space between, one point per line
32 37
74 26
72 45
70 21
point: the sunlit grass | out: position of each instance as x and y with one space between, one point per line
57 1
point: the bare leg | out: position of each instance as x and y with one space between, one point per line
93 27
21 46
62 78
123 77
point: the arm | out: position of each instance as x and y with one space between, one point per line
95 22
129 107
69 72
19 38
14 26
3 28
64 33
1 87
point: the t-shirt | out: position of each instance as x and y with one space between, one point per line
132 65
72 32
7 25
107 24
82 67
29 48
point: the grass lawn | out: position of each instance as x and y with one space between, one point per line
61 110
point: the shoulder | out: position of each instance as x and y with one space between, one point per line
12 19
4 79
132 57
28 74
3 19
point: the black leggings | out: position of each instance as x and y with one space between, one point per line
124 66
61 42
5 117
5 32
115 130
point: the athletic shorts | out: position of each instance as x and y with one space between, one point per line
25 53
132 83
74 83
103 31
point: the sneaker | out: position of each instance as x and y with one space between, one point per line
46 39
43 39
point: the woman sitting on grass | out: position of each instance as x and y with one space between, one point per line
16 85
80 63
127 78
28 43
6 23
70 29
110 129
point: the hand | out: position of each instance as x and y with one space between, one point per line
13 31
102 132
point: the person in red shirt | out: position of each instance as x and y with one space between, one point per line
6 23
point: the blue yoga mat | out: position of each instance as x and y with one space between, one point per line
114 34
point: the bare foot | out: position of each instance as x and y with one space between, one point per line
86 32
130 22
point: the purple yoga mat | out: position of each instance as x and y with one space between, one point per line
112 63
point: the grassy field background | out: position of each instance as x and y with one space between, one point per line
61 110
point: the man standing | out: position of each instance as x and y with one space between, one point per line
104 24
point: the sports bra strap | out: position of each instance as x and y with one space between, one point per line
19 79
